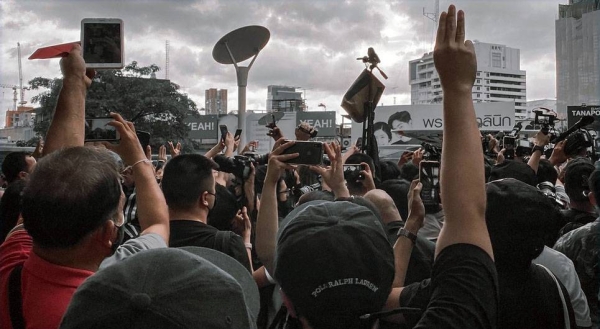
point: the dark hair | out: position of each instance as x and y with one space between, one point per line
520 219
403 116
13 164
546 172
409 171
71 193
594 181
185 178
10 207
398 189
224 209
383 126
389 170
577 173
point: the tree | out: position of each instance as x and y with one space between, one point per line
153 105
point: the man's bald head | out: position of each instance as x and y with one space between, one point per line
385 205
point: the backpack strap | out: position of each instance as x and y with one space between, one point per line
562 297
15 299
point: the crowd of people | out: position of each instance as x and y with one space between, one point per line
101 236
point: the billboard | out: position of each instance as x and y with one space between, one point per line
574 113
202 126
490 116
323 121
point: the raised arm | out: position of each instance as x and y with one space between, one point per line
152 208
267 222
539 142
462 178
67 128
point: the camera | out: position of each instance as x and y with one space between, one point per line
432 152
238 165
546 121
352 172
548 189
298 192
259 159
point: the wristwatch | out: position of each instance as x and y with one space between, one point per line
408 234
537 148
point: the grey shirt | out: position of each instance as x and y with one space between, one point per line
133 246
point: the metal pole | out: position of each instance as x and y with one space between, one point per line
242 81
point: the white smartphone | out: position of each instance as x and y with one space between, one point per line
102 43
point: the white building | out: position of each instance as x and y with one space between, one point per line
499 78
578 54
284 99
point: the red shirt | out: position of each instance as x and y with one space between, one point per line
46 288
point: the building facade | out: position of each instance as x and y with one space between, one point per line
215 101
24 116
284 99
578 54
499 78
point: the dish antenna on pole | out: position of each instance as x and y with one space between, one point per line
237 46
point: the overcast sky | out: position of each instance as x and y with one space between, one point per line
314 43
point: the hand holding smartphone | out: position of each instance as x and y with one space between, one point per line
309 153
97 129
102 43
223 129
429 176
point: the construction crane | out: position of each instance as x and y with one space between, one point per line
14 88
23 101
167 60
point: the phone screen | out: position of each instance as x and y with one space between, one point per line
310 153
102 42
223 129
509 146
96 129
429 176
238 132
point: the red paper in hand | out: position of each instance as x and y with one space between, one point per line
53 51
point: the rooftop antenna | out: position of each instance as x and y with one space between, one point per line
237 46
433 16
167 60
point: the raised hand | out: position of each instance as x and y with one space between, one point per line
175 150
129 147
454 57
333 175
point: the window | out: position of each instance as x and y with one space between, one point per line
477 88
496 60
478 81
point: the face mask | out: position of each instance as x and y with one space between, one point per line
284 207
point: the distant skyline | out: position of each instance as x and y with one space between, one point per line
314 43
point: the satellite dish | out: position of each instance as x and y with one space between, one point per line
241 44
237 46
268 118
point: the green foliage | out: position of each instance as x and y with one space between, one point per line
153 105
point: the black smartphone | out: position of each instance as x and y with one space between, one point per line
359 142
223 129
238 133
429 176
310 153
352 172
97 129
509 147
102 43
144 138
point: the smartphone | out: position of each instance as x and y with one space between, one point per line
352 172
144 138
509 146
97 129
223 129
310 153
359 142
102 43
238 133
429 176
